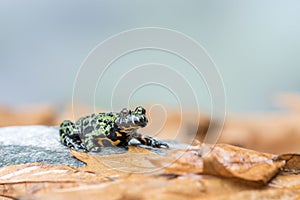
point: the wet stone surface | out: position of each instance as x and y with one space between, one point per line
29 144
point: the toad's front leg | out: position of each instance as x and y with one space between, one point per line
149 141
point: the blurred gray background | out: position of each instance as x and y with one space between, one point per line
255 44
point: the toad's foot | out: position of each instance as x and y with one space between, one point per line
149 141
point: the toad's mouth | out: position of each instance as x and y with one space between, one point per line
139 120
134 121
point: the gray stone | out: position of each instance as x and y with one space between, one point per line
29 144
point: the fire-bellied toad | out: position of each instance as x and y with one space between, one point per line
92 132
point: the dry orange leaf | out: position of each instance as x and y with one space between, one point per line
150 187
292 162
185 161
259 194
247 165
143 174
135 161
19 180
223 160
133 187
286 181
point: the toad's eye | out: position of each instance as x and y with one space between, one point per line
140 110
124 112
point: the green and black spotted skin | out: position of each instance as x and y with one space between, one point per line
91 133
